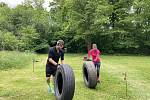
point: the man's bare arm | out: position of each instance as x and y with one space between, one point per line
62 62
52 61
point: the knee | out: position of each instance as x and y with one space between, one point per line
47 78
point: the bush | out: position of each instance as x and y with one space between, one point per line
8 41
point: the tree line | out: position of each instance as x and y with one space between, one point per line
116 26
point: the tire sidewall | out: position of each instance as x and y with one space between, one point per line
57 94
84 77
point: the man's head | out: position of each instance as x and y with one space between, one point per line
60 44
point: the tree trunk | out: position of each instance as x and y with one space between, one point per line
88 44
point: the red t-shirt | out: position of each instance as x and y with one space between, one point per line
95 53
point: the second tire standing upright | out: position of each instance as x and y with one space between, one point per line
89 74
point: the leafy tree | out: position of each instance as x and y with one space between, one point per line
8 41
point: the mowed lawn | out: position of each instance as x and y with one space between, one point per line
24 84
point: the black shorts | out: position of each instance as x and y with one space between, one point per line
50 70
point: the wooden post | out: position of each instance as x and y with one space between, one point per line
33 64
125 79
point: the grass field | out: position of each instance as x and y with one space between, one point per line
23 84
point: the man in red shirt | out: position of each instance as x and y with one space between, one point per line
95 53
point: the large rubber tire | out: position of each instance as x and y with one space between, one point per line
64 83
89 74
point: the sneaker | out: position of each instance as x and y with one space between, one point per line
52 90
49 90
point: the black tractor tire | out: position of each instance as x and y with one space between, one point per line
89 74
64 83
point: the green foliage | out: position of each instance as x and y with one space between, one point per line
28 37
8 41
121 26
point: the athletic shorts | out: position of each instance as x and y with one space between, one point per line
50 70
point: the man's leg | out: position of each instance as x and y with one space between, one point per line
50 73
48 80
52 84
48 83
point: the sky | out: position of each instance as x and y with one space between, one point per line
14 3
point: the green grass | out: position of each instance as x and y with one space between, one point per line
9 60
23 84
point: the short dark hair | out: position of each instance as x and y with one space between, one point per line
60 42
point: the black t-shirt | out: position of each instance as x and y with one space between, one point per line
54 55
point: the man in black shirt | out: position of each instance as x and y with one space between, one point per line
55 53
